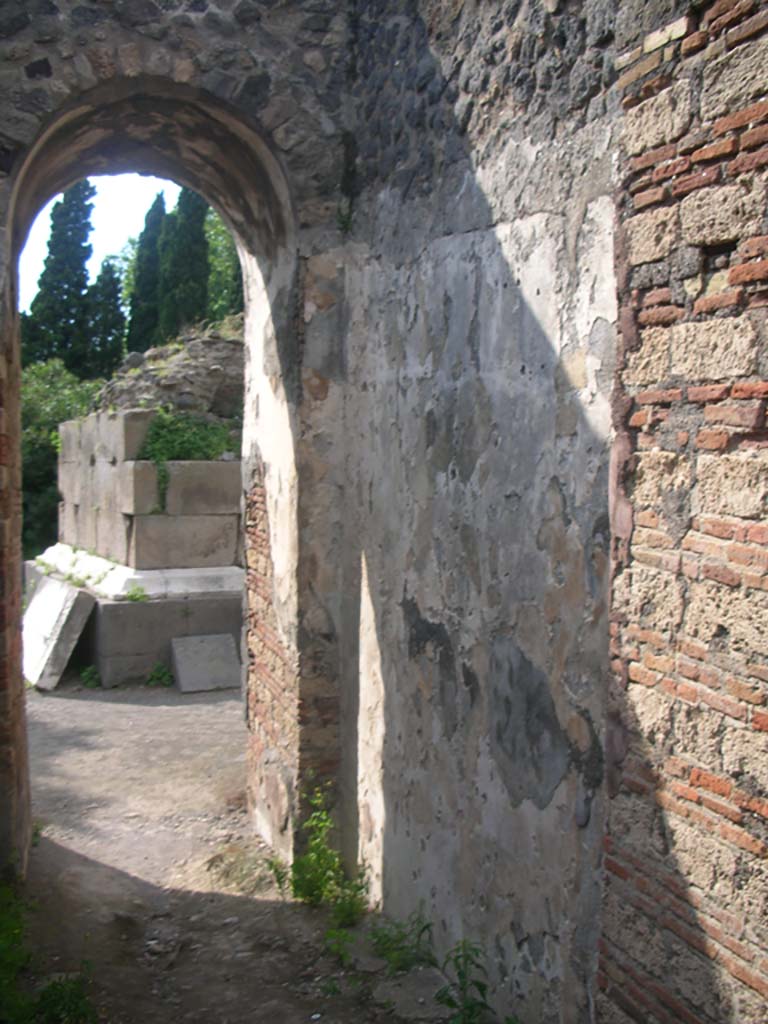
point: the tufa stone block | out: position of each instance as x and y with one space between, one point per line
732 485
658 120
714 349
733 80
652 235
722 214
205 663
53 623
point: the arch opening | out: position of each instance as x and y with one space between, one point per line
172 131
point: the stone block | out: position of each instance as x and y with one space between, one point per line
735 79
87 518
113 535
723 214
68 523
128 639
70 482
652 235
120 435
654 599
205 663
713 350
658 473
183 542
69 434
53 623
203 488
137 488
658 120
710 608
650 363
732 485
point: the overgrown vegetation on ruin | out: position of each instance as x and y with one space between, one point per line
178 436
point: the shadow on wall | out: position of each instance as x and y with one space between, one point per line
466 615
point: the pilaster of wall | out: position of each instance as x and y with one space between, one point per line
686 906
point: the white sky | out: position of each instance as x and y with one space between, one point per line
119 208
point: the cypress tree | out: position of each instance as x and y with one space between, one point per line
144 310
183 265
106 320
57 325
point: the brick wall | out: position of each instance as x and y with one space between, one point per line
684 934
272 688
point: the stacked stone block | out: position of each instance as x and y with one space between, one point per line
112 503
687 846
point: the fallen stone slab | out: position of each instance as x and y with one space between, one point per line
53 622
205 663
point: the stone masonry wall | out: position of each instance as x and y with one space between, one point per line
686 904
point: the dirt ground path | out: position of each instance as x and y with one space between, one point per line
141 828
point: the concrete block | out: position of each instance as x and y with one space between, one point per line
137 488
53 623
183 542
205 663
203 488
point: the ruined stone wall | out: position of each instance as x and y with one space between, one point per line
686 904
479 362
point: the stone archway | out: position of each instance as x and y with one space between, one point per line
155 126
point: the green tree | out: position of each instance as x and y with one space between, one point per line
57 324
183 265
144 307
50 394
106 320
125 264
225 280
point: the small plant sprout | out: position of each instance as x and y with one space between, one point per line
403 945
337 942
466 993
136 593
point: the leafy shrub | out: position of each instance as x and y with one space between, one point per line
50 394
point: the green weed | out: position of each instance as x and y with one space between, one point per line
160 675
280 873
90 677
466 993
136 593
337 942
403 944
317 876
65 1002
